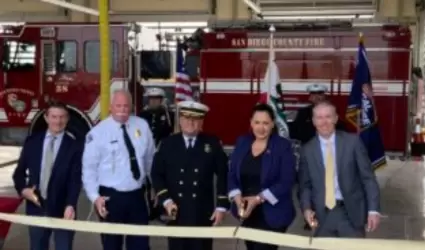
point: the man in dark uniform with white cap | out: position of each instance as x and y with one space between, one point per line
302 127
158 116
183 177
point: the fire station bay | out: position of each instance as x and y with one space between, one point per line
141 124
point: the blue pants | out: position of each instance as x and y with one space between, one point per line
127 208
40 238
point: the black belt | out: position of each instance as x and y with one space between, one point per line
339 203
108 191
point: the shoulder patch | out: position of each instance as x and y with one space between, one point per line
89 138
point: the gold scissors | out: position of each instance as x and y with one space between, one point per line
241 219
313 226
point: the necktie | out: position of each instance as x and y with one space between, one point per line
132 153
190 143
330 201
46 171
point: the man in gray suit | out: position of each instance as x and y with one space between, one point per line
338 188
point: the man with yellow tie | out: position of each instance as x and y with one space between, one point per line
338 188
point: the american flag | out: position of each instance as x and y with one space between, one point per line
183 89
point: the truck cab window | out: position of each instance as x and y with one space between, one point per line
18 56
66 56
92 54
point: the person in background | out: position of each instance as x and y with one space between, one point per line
261 178
161 123
302 128
338 188
183 177
116 163
48 177
157 114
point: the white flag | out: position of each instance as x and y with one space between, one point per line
271 80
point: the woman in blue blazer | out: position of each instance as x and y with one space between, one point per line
261 178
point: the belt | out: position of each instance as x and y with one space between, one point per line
108 191
339 203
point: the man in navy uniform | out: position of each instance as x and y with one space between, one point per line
302 128
116 163
156 113
183 176
48 177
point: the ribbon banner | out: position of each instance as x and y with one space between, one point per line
280 239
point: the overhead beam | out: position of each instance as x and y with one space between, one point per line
73 7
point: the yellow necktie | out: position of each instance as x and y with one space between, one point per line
330 201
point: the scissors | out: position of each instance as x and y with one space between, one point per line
171 217
241 217
313 226
242 211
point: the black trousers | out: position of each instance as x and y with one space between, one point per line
129 208
256 220
189 244
186 218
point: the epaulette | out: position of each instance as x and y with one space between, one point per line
70 134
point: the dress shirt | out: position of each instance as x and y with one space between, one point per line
106 161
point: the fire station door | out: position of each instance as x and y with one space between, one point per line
20 80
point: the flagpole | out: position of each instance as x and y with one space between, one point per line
272 29
359 114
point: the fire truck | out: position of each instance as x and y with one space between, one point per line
44 62
233 62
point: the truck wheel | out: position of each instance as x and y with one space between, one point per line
79 124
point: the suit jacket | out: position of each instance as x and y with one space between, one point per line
65 181
277 176
356 179
302 127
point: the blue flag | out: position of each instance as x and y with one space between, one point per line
361 111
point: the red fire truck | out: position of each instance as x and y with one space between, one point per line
44 62
233 63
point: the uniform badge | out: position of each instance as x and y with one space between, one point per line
138 133
207 148
163 118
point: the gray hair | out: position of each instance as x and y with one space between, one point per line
122 92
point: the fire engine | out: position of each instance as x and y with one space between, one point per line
44 62
233 62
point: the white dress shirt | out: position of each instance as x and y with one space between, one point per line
106 160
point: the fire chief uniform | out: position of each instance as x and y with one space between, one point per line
183 171
116 160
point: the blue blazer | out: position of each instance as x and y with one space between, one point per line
65 181
277 176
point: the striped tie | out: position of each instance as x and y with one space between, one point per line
46 171
330 200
